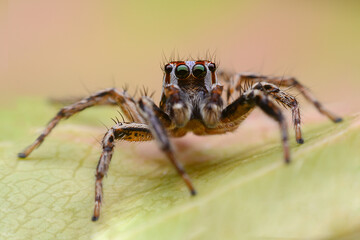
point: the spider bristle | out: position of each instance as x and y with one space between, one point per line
215 59
164 61
113 81
114 121
132 118
207 55
98 141
281 82
121 115
125 87
118 121
172 55
162 66
136 91
104 125
152 94
291 88
86 88
177 56
145 91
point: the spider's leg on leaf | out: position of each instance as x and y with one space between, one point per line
238 110
104 97
148 110
285 100
121 131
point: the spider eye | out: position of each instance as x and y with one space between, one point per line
212 67
199 71
182 71
168 68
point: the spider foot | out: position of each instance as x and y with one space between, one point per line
337 120
300 141
22 155
193 192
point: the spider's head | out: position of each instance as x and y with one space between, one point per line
201 73
188 89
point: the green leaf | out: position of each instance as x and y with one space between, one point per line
245 190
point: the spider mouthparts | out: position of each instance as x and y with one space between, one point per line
21 155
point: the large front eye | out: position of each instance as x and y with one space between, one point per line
199 71
182 71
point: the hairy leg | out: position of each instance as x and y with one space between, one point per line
241 107
105 97
243 80
286 100
121 131
148 110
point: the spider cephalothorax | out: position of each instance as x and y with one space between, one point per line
191 92
192 100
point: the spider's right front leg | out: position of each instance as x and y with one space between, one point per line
105 97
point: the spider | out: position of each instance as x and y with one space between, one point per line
192 100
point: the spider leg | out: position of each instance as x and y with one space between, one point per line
237 111
286 100
225 78
146 108
121 131
243 78
105 97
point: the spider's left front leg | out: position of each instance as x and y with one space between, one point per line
150 112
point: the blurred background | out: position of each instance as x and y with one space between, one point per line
68 48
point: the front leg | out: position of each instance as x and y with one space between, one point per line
121 131
147 109
241 107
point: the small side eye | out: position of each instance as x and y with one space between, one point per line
168 68
199 71
182 71
212 67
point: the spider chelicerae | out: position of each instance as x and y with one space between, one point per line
192 100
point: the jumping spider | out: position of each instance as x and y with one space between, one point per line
191 101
